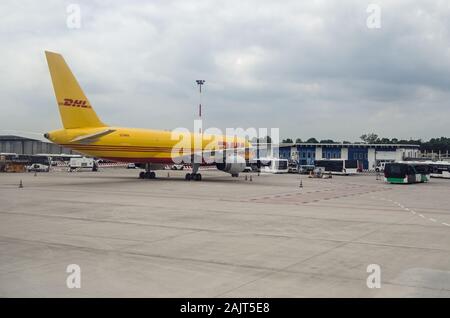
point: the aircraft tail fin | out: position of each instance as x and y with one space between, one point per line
74 107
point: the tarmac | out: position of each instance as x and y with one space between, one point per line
223 236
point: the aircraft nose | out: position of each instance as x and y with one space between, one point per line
47 135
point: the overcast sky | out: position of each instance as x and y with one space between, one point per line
311 68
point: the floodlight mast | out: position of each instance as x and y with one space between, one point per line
200 83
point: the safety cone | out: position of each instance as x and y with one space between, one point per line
301 184
20 184
251 179
245 178
168 175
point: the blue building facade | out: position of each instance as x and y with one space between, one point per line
306 154
284 152
360 154
331 152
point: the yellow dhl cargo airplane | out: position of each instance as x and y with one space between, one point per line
84 132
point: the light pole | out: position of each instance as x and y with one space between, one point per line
200 83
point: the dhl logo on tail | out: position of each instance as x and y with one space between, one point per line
74 103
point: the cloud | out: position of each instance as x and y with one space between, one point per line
311 68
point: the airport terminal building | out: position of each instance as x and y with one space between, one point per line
29 146
368 155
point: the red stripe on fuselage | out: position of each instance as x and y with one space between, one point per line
140 160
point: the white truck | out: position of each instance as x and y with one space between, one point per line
77 164
381 164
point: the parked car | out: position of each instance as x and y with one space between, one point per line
306 169
292 168
248 169
38 167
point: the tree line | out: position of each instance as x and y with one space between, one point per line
439 144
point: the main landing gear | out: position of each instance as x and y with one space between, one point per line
147 174
194 175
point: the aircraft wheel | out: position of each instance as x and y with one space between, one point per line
152 175
188 177
142 175
198 177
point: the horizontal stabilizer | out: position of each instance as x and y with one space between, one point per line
92 137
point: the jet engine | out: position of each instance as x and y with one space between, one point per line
232 164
